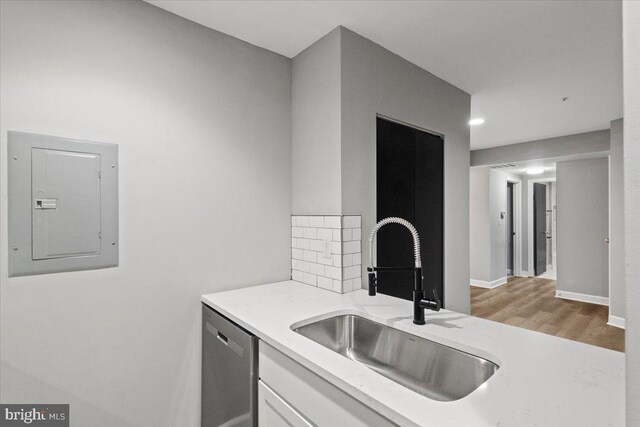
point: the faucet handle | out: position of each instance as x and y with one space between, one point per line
437 300
373 282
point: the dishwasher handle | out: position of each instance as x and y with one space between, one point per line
229 343
223 338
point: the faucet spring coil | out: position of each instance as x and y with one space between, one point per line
405 223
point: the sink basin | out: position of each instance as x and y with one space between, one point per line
426 367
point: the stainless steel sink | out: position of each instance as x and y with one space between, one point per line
426 367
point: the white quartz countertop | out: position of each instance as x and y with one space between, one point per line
542 380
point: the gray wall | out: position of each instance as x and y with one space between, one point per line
582 198
488 234
376 81
480 224
316 128
616 221
203 123
631 55
589 142
498 197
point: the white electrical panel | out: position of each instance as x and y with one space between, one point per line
63 204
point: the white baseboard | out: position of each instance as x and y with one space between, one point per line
616 321
524 273
488 285
575 296
549 267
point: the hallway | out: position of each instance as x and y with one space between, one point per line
530 303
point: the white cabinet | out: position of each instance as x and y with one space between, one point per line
292 395
273 411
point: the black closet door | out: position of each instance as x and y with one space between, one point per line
429 209
410 185
395 187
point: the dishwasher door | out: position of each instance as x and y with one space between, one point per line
229 373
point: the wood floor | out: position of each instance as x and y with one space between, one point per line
530 303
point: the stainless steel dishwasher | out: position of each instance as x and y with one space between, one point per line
229 373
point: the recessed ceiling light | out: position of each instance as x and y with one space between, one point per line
475 122
534 171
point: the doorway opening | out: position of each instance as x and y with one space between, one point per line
563 278
410 185
542 228
540 232
510 230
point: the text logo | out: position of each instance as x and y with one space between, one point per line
40 415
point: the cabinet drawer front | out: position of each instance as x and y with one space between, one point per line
320 402
273 411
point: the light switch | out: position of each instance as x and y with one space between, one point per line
326 249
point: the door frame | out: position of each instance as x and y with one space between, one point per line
517 226
531 269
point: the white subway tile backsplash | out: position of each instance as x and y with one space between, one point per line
351 234
337 261
309 255
309 233
332 222
316 245
316 269
333 272
351 247
341 271
324 261
347 260
316 221
357 258
326 234
351 221
302 221
301 265
352 272
300 243
310 279
298 276
325 283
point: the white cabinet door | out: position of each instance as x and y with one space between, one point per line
273 411
320 402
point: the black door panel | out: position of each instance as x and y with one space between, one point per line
540 227
410 185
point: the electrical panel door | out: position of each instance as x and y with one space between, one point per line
66 203
63 204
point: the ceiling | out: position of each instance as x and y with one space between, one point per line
517 59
